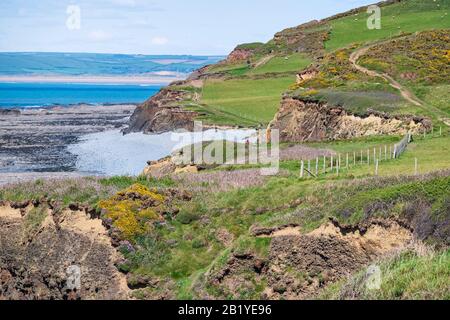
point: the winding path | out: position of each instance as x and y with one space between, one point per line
406 93
263 61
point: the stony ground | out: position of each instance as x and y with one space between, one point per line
36 140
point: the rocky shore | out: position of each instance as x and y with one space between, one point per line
36 140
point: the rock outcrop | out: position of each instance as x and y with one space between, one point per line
162 113
300 121
167 166
238 55
300 39
9 112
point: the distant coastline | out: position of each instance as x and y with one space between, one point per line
88 79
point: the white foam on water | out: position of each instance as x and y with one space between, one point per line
111 153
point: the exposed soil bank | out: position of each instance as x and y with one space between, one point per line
39 245
300 121
299 265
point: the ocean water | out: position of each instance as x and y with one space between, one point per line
29 95
20 95
104 153
96 64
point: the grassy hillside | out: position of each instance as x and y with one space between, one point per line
184 251
406 16
421 62
215 227
294 49
232 227
411 276
254 101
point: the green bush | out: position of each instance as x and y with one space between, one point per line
187 217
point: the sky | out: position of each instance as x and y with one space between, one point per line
197 27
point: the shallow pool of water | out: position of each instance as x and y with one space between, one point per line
112 153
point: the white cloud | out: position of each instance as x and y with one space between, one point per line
160 41
99 35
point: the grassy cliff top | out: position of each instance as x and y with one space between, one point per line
246 88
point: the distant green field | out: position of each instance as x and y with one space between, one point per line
255 101
407 16
431 153
295 62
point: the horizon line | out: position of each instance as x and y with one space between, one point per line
115 53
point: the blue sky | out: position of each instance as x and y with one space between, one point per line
200 27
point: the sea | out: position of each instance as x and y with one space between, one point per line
103 153
41 95
72 65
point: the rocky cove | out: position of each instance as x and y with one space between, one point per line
33 142
81 140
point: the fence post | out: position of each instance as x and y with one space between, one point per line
361 160
368 157
376 167
374 154
354 158
324 164
317 166
302 168
309 167
332 164
381 154
395 152
346 162
337 166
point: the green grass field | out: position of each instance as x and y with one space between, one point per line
407 16
254 101
292 63
432 154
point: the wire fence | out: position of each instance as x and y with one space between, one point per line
400 147
373 156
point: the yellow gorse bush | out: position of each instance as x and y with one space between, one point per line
133 211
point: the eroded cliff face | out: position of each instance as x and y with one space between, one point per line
298 265
39 245
238 55
300 121
162 113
